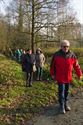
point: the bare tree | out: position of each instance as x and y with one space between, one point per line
41 20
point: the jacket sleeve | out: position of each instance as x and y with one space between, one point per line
33 60
52 67
23 62
77 68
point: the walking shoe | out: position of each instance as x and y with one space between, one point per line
67 108
40 79
37 79
26 85
62 110
30 85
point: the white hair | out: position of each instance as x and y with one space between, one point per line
65 43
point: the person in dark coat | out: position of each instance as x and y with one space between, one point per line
28 61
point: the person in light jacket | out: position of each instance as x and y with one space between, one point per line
62 64
40 61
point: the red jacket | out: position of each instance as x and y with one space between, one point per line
62 65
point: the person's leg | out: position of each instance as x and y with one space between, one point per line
67 108
27 78
40 73
30 78
61 97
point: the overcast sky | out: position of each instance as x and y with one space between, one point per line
77 5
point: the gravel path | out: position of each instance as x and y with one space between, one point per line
51 115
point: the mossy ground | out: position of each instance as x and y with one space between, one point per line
19 103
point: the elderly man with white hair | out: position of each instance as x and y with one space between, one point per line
62 64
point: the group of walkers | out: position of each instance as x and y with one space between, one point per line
16 54
62 64
33 63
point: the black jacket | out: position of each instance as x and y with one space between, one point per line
28 61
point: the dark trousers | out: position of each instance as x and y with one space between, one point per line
63 90
29 78
39 73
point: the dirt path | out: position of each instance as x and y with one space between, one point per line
51 116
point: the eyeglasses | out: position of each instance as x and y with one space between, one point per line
65 46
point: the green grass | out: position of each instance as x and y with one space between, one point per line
19 103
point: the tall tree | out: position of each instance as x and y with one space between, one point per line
41 18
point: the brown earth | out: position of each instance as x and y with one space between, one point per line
52 116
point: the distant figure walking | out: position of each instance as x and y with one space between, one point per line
18 55
40 61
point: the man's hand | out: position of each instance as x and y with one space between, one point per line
80 78
53 77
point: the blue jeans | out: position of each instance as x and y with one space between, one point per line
39 73
63 90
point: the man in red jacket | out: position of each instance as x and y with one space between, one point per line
62 64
